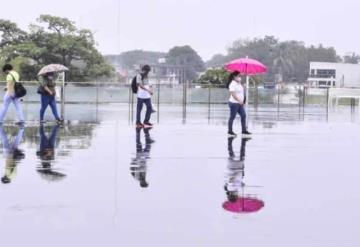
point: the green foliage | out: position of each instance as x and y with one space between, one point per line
289 59
10 33
53 40
188 57
216 76
352 58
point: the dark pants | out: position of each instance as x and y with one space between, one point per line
45 101
139 107
234 109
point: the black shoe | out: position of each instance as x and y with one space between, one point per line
231 134
139 125
60 121
245 132
153 111
20 123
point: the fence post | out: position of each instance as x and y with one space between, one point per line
129 104
158 101
278 98
304 98
184 94
209 102
327 100
62 93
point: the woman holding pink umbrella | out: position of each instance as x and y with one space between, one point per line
236 103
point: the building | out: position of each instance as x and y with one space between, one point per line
341 75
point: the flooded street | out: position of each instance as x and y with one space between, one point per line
99 182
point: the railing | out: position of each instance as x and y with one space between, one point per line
322 76
282 99
345 93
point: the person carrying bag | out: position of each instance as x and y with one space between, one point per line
13 93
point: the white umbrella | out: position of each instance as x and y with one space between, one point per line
52 68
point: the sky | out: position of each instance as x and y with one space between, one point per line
209 26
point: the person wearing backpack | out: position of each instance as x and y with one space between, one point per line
144 93
11 77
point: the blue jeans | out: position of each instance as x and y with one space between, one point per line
234 109
45 101
48 142
16 101
8 148
139 107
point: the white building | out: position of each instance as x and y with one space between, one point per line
334 75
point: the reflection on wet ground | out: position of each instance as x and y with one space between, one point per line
293 183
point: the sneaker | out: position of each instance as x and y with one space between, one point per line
245 132
153 111
231 134
148 125
139 125
60 121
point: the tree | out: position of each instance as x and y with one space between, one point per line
217 60
55 40
187 57
129 59
290 59
10 33
216 76
352 58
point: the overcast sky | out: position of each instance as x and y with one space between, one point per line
208 26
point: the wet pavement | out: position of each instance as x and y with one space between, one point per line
182 183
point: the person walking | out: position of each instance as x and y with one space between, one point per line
47 92
236 103
144 97
11 77
12 153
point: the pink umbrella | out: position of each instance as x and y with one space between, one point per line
246 66
243 205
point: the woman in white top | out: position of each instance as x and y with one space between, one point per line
236 103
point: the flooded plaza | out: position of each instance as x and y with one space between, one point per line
97 181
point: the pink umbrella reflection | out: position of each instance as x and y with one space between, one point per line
244 205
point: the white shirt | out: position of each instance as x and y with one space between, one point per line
143 94
239 91
234 175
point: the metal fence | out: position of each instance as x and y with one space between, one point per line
296 98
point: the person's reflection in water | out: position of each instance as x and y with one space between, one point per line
11 153
235 170
47 154
138 166
237 200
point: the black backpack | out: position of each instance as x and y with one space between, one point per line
19 89
134 86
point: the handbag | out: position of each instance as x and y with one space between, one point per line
41 90
20 90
